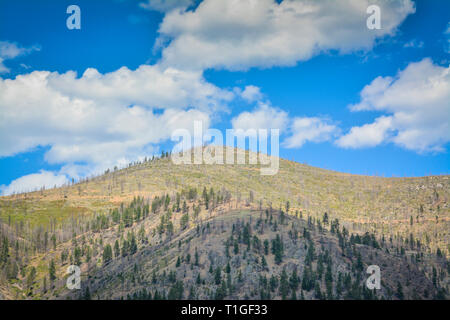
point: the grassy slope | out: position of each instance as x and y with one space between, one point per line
381 205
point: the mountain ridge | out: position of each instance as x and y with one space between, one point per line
154 200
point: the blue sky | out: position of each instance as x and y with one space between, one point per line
234 64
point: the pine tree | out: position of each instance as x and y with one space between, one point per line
31 277
266 247
52 271
293 295
205 198
317 292
107 254
294 280
284 285
236 247
184 221
116 249
87 294
4 253
53 238
399 292
133 244
273 283
196 257
325 218
277 249
264 262
176 291
217 276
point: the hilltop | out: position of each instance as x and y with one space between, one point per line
400 206
145 201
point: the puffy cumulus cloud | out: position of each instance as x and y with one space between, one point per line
299 129
11 50
239 34
34 182
417 103
148 85
310 129
263 117
128 136
102 119
368 135
251 93
165 5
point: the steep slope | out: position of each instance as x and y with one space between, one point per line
252 254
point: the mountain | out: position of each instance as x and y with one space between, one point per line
225 231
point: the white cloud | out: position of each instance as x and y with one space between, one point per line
165 5
34 182
300 129
263 117
11 50
251 93
368 135
239 34
417 102
148 85
312 129
102 119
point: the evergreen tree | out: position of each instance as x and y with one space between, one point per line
31 277
52 271
273 282
116 249
263 262
87 294
184 221
53 238
217 276
176 291
277 249
317 292
107 254
294 280
325 218
205 198
196 257
399 292
284 285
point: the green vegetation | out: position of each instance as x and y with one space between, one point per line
305 233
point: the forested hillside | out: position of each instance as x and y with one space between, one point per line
158 230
